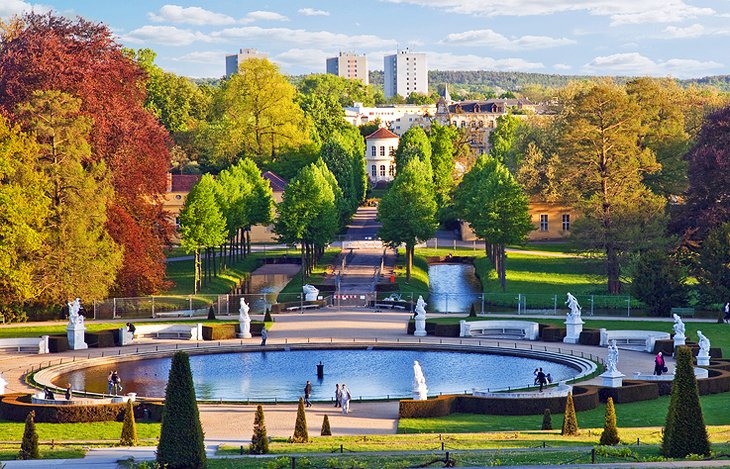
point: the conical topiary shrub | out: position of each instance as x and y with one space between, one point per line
181 436
259 440
301 435
326 430
267 316
211 313
547 420
29 445
684 432
129 427
570 421
610 432
472 311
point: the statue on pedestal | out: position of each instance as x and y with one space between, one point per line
420 318
678 326
75 327
420 307
244 320
704 344
612 358
73 312
574 307
573 322
420 391
310 292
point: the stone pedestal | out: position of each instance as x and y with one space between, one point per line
75 334
125 337
3 383
573 327
703 360
245 326
420 393
612 379
679 340
420 327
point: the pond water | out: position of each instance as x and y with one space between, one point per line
266 376
454 287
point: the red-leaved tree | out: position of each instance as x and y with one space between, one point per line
43 52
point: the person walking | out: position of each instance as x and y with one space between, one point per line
338 395
109 383
116 383
541 380
727 312
345 399
659 364
307 394
264 335
68 391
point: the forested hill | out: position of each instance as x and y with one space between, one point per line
513 81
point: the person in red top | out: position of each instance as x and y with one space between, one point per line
659 364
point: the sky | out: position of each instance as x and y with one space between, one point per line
678 38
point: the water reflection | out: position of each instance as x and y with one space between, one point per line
454 287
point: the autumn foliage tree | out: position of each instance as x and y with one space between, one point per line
81 58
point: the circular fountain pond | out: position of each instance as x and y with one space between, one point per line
281 375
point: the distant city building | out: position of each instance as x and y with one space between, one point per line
380 149
234 60
350 66
405 72
397 117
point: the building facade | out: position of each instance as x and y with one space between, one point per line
405 72
350 66
397 118
380 147
234 60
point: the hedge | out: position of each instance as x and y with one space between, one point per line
440 406
57 343
590 337
219 332
553 334
101 339
15 407
631 391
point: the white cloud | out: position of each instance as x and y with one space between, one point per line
309 59
306 39
165 35
620 11
694 30
10 8
313 12
190 15
490 38
203 57
562 67
260 15
634 63
449 61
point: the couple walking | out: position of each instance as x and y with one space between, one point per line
342 398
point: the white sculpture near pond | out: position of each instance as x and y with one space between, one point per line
244 320
3 383
75 328
679 331
310 292
703 358
420 390
573 322
420 317
612 377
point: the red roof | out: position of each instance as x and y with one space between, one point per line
382 133
184 182
278 184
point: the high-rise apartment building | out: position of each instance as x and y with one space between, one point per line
350 66
234 60
405 72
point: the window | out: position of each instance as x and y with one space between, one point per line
566 222
373 151
382 151
382 170
543 222
374 170
391 171
392 151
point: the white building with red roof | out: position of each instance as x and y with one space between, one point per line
380 149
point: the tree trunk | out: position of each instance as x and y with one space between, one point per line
613 269
196 271
409 261
248 240
215 267
304 263
502 267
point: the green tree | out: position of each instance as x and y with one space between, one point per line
442 163
301 434
408 210
260 203
259 440
570 421
496 208
24 209
341 163
79 258
202 224
413 143
325 113
326 430
29 445
713 266
129 427
181 435
609 436
659 282
503 138
345 91
602 168
419 98
547 420
684 431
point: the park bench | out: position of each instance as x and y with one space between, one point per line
634 340
170 331
502 329
688 312
182 313
305 306
37 345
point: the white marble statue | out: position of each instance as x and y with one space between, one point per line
612 358
420 317
420 307
3 383
310 292
704 344
420 391
73 312
678 326
244 320
574 307
75 327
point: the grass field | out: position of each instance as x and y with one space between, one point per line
293 289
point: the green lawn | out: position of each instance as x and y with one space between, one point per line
10 452
92 431
293 289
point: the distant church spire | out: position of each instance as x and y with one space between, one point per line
446 94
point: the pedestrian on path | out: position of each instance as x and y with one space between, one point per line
727 312
68 392
659 364
116 383
541 379
338 395
109 383
345 399
264 335
307 394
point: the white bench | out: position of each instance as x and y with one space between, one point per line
170 331
389 305
26 344
633 340
309 306
182 312
506 329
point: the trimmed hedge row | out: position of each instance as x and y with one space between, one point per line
101 339
57 343
584 398
666 346
229 331
590 337
552 334
15 407
631 391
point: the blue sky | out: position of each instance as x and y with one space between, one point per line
679 38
